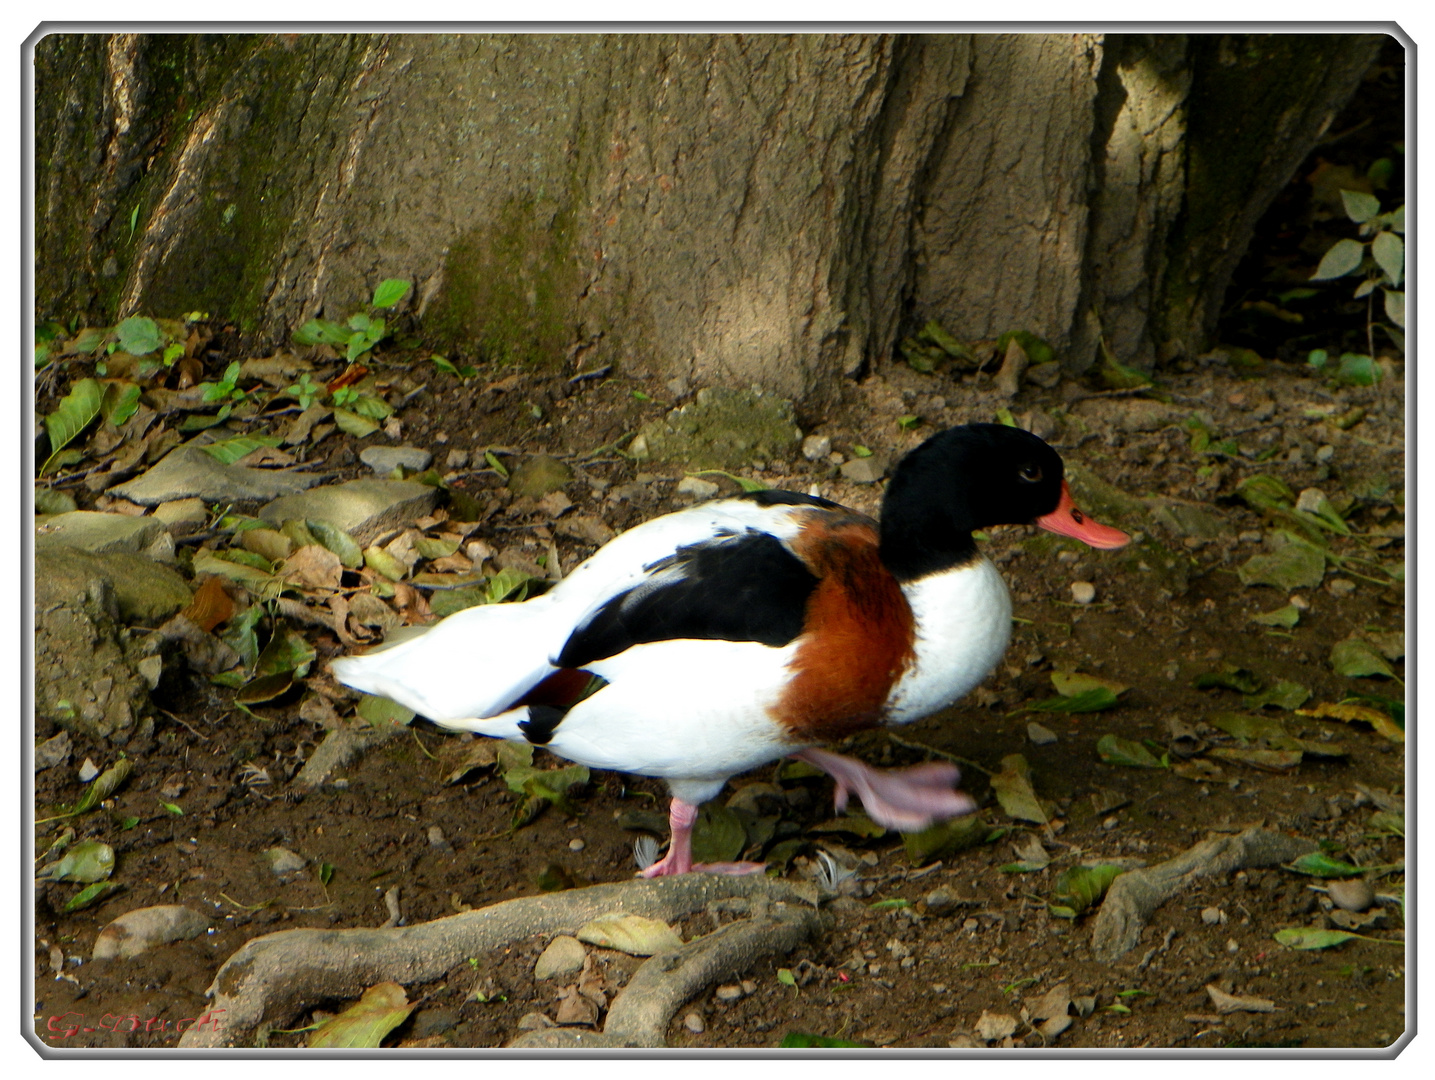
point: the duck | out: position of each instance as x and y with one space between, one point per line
716 639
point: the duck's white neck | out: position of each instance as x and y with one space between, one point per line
963 619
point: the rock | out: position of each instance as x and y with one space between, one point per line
1040 736
695 487
816 447
694 1023
574 1008
1014 364
362 508
385 459
534 1021
1339 587
283 861
53 752
1183 518
144 928
457 459
728 993
188 472
539 475
577 844
182 517
1352 894
564 956
942 901
722 428
340 746
1129 415
88 771
96 532
1044 375
555 504
1083 592
85 678
865 470
1212 916
588 529
145 591
1310 500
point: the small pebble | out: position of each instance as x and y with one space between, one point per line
577 844
970 925
1111 823
1213 916
1252 537
696 487
1232 946
1040 736
1299 602
1353 894
694 1023
941 900
1340 587
457 459
1309 500
1065 556
1324 454
88 771
729 993
748 986
1083 592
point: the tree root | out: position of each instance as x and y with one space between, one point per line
274 977
1136 894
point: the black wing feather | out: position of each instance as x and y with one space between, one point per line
736 587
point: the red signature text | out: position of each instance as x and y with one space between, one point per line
67 1025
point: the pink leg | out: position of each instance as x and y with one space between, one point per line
902 799
679 859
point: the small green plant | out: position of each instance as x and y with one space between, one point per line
1379 258
362 330
227 389
305 391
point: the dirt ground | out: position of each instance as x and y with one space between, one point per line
937 955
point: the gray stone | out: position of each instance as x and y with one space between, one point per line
816 447
144 591
385 459
538 476
457 459
53 752
283 861
564 956
144 928
341 746
182 516
188 472
1039 735
696 487
694 1023
85 679
362 508
1083 592
723 429
865 470
942 901
92 531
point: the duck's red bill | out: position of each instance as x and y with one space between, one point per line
1067 520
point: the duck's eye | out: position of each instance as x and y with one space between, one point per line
1030 473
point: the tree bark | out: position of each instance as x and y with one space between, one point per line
734 209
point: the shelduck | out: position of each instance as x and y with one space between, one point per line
732 633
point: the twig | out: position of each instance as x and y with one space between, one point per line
924 748
182 724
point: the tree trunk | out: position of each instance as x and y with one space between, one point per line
734 209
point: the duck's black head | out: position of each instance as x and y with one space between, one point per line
968 478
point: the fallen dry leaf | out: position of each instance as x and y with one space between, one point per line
1229 1003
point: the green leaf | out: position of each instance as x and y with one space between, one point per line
860 451
326 873
139 336
494 464
933 332
381 712
1093 700
945 838
1286 617
505 584
1360 207
1310 937
718 835
352 423
1284 695
1005 418
1291 567
1079 887
120 402
363 1025
105 785
907 423
228 451
171 808
321 332
1356 658
1316 358
86 862
91 895
448 367
74 413
287 651
741 481
1395 308
1115 750
785 976
375 408
1072 683
1317 864
172 352
390 292
1357 369
436 547
1340 260
1036 349
338 541
1389 252
804 1040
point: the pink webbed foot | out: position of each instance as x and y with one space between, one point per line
903 799
679 859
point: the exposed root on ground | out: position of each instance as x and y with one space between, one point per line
1135 895
273 978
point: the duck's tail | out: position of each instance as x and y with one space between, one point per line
474 665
